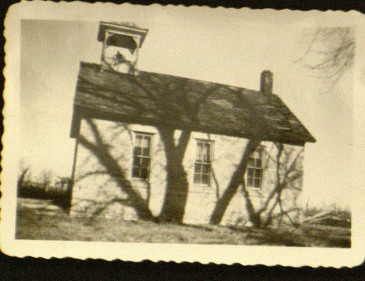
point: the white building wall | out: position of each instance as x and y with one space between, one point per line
93 194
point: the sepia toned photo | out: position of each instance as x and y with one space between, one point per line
159 130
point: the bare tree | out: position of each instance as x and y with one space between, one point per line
330 53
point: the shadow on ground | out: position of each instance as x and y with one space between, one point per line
42 220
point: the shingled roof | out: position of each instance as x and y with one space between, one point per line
182 103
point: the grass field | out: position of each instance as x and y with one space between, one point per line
39 219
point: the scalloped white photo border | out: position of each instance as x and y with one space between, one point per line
219 254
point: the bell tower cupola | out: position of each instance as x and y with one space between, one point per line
121 44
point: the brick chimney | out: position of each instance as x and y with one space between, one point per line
266 82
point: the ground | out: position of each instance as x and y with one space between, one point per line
41 220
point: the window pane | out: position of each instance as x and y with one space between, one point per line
254 154
137 150
136 161
202 166
197 178
198 168
205 179
258 173
146 151
146 141
206 153
206 169
145 162
254 173
139 140
250 172
144 173
135 172
141 153
249 182
255 168
199 151
259 152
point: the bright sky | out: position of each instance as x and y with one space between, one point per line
233 54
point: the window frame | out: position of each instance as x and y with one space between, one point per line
262 168
144 134
210 163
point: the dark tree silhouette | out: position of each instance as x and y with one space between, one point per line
287 172
176 194
100 150
236 180
167 100
175 106
172 105
257 126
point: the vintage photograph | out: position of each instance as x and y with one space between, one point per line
182 134
185 134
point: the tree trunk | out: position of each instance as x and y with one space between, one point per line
236 180
253 216
176 195
177 188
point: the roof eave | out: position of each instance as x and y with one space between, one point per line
85 112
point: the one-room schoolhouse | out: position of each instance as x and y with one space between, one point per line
152 145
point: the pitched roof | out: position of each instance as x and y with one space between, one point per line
165 100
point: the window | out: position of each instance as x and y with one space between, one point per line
141 156
255 168
202 165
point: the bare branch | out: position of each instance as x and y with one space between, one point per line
330 53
